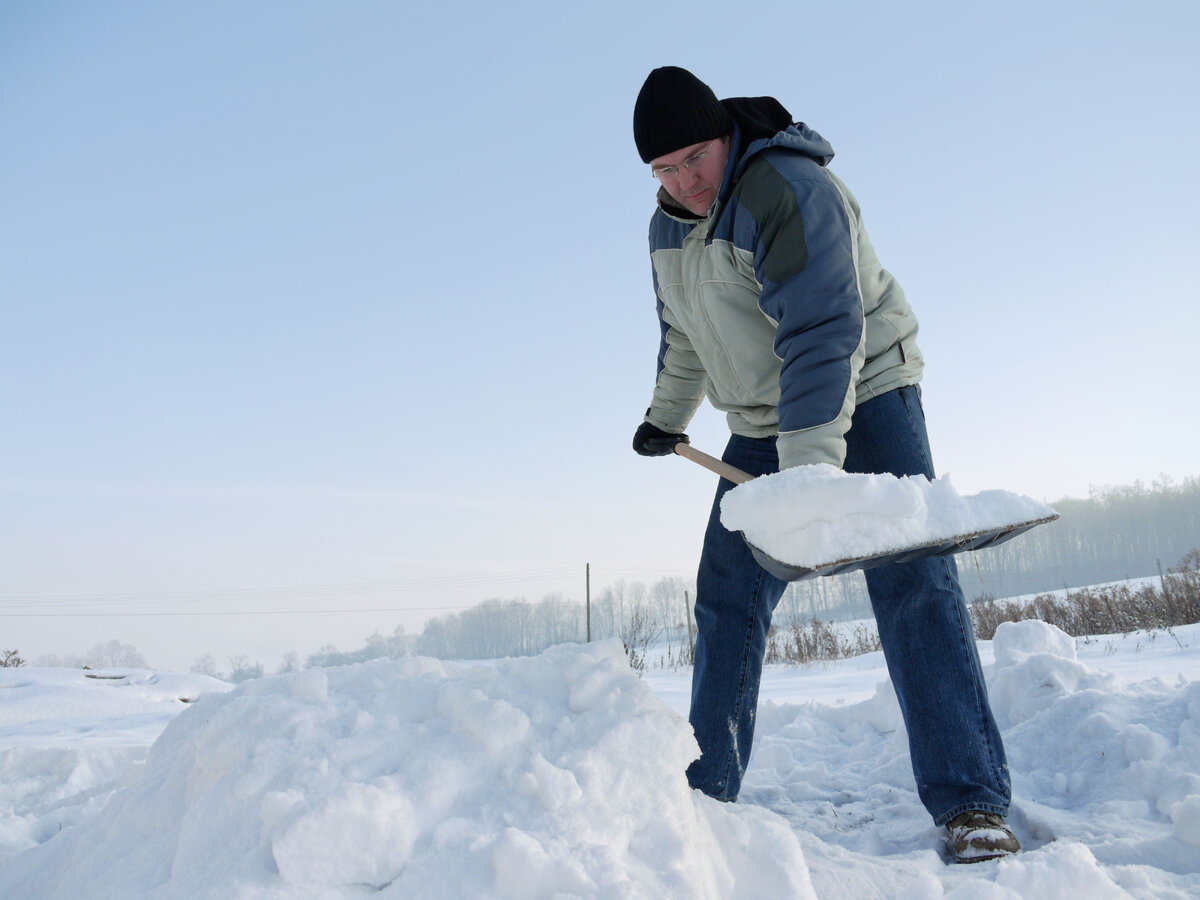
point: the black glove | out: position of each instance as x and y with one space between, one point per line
651 441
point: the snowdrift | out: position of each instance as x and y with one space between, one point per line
562 776
1105 777
558 775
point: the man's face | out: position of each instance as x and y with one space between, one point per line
692 176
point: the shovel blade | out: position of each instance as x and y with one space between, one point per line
958 544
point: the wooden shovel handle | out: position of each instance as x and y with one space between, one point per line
724 469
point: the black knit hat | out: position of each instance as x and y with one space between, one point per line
675 109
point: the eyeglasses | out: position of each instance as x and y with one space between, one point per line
664 172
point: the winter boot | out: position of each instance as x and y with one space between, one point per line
976 836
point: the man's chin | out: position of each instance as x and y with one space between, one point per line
701 205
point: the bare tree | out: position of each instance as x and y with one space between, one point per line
638 631
243 670
666 601
114 654
206 665
10 659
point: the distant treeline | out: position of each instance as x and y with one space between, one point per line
1116 534
636 614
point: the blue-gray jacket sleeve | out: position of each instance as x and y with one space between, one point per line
805 259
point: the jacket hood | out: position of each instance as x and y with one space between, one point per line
765 122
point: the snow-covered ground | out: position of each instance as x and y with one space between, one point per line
562 776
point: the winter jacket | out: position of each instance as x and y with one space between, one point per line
774 305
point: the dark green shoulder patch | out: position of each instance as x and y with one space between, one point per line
769 197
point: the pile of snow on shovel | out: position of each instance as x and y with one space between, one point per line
813 515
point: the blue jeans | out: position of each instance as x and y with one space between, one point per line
957 753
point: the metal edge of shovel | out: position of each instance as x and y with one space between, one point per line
975 540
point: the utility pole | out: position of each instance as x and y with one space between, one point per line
587 593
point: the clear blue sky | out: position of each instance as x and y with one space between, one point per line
343 306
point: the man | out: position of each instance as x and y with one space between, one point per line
774 306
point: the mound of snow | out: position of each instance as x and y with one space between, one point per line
1106 795
1015 642
1079 740
1035 668
560 775
68 737
813 515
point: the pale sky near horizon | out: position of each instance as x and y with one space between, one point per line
321 318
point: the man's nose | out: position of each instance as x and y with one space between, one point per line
688 178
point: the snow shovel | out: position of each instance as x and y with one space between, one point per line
788 572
